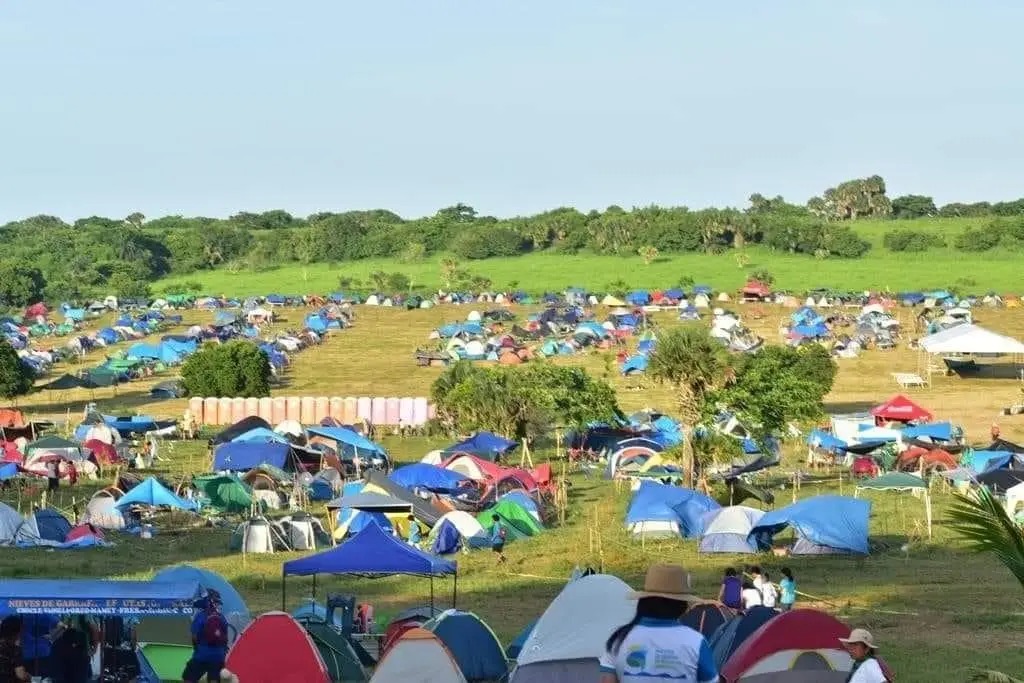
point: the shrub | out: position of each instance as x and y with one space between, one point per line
398 282
911 240
979 239
845 243
16 377
237 368
481 244
763 276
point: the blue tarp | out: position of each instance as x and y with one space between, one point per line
940 431
637 363
455 329
838 523
151 492
982 462
807 316
429 477
97 596
260 435
371 552
161 352
656 502
346 437
822 439
233 605
815 331
484 445
131 425
242 456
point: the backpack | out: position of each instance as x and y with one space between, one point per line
215 630
501 531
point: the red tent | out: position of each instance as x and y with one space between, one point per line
792 647
755 288
899 408
36 311
274 648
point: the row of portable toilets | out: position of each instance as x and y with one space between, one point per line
406 411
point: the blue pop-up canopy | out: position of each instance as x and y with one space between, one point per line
827 523
940 431
97 596
350 438
429 477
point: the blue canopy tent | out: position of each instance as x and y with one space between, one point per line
233 605
484 445
98 596
825 441
353 444
241 456
152 493
823 525
429 477
939 431
372 553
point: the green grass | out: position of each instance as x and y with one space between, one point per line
880 269
936 598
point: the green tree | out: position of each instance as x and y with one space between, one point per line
16 378
695 366
913 206
398 283
237 368
379 279
414 252
20 284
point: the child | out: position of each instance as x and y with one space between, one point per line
732 587
414 532
498 538
751 597
788 586
769 596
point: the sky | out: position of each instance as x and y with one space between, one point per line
207 107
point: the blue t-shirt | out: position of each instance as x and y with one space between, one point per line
733 589
661 649
496 535
204 652
788 587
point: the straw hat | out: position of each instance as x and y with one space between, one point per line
859 635
669 581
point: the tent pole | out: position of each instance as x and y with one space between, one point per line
431 597
455 590
314 587
282 589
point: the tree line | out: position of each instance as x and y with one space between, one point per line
45 257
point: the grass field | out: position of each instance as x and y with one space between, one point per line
936 609
880 269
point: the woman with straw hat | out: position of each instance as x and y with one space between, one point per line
654 644
862 648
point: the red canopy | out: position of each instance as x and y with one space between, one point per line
899 408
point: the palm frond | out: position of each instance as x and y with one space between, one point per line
986 526
983 676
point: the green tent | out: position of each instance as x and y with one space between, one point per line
519 523
341 659
226 492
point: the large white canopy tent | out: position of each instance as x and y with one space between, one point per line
970 340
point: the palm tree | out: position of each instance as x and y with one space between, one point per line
694 364
981 676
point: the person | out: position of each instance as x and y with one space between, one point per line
498 535
52 475
788 590
12 667
862 648
750 596
994 431
654 644
414 532
769 595
732 587
755 576
71 658
209 641
37 644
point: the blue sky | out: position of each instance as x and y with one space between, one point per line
209 107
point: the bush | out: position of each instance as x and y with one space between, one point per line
911 240
845 243
481 244
763 276
983 239
16 378
237 368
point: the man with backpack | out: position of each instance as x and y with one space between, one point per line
498 535
209 642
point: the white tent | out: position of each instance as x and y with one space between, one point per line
464 523
727 529
10 523
1014 499
434 457
610 300
418 657
569 637
465 464
972 339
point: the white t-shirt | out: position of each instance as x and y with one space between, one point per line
869 672
769 596
751 597
660 649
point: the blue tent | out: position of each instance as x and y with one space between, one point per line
635 364
108 335
316 322
523 500
982 462
656 502
241 456
353 521
516 646
233 605
446 539
371 552
940 431
97 596
429 477
52 525
135 424
153 493
639 298
472 644
730 635
822 439
348 440
484 445
815 331
807 316
823 524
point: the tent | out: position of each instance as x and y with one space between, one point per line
516 646
349 441
707 617
727 530
274 648
97 596
418 656
473 467
240 456
801 645
241 427
823 524
901 481
423 510
226 492
518 522
51 525
152 493
472 643
370 502
466 529
660 510
429 477
233 605
565 644
337 651
970 339
486 445
733 633
899 408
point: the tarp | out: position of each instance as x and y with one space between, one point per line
656 502
347 437
429 477
825 441
940 431
151 492
371 552
260 435
239 428
242 455
902 409
838 523
484 445
97 597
